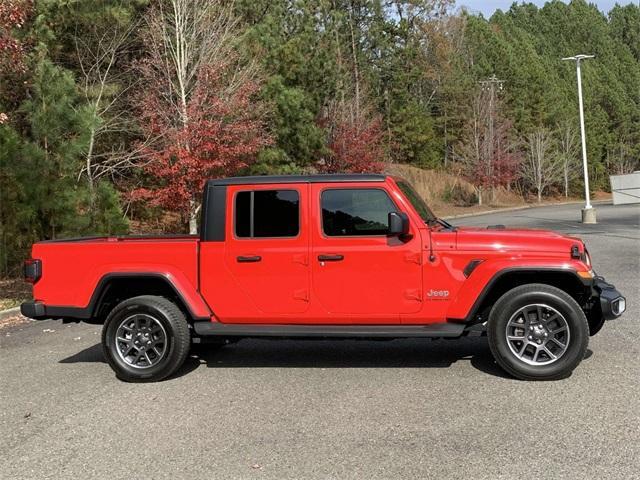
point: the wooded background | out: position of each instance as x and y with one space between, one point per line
113 113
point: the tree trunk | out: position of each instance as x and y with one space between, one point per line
193 217
3 237
339 79
388 120
90 182
356 72
539 195
446 145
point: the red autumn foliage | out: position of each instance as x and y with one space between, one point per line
501 165
506 166
13 15
224 134
355 146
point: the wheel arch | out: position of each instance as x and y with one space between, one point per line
113 288
507 279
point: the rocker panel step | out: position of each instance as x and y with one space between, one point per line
328 331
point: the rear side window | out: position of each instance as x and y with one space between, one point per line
355 212
267 213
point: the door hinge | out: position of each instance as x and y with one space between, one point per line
413 294
414 258
302 259
301 295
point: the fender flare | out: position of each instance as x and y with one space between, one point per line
102 287
486 290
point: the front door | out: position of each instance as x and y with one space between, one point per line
359 273
267 251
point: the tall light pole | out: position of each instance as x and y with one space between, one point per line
588 212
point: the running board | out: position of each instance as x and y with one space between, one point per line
329 331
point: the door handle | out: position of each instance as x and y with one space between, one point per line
330 258
249 259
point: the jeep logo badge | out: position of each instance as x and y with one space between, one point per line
437 293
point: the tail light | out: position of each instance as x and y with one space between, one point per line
32 270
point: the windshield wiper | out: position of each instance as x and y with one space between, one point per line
440 221
445 224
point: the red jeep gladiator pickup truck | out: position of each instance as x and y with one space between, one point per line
325 256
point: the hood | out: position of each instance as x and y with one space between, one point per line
501 239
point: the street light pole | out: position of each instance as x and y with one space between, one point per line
588 212
582 135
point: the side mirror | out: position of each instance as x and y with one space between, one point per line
398 224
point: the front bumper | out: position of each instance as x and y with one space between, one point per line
612 303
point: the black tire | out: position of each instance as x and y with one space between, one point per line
166 318
521 298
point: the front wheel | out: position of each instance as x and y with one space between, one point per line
145 339
537 332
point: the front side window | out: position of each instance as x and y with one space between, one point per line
355 212
267 213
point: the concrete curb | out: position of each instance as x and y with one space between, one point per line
521 207
9 313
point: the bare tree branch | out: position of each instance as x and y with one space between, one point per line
97 52
184 39
544 165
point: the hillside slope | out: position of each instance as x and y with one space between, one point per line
448 194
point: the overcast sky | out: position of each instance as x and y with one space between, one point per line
487 7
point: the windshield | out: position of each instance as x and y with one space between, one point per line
418 203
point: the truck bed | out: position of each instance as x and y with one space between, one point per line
72 268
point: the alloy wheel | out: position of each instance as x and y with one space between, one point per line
538 334
141 340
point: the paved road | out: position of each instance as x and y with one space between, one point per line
331 409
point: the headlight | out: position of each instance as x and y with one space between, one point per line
587 257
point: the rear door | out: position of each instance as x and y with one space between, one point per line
359 273
267 251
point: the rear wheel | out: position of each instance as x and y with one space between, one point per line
145 339
538 332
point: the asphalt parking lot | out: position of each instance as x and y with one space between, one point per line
334 409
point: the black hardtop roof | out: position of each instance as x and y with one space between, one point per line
323 178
